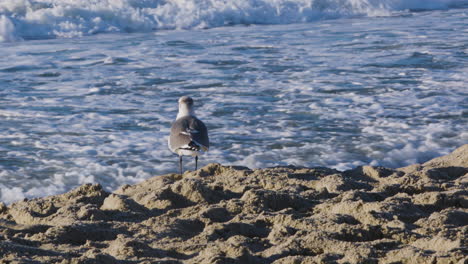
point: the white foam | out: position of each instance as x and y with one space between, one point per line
10 194
7 30
73 18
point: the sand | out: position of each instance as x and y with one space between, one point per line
225 214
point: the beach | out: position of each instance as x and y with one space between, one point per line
337 131
232 214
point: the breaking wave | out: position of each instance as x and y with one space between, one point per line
42 19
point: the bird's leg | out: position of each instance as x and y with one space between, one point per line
196 161
180 164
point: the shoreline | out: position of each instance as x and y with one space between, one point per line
231 214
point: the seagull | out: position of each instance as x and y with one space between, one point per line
189 135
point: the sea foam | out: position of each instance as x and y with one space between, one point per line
7 30
42 19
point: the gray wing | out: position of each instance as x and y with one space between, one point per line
189 133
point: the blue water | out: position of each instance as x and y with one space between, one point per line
387 87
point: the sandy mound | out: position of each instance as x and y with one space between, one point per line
218 214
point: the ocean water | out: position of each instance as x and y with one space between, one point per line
88 89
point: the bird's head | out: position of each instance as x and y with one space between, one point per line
185 106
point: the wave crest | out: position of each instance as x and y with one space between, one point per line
29 19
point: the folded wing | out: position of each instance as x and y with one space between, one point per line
189 133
